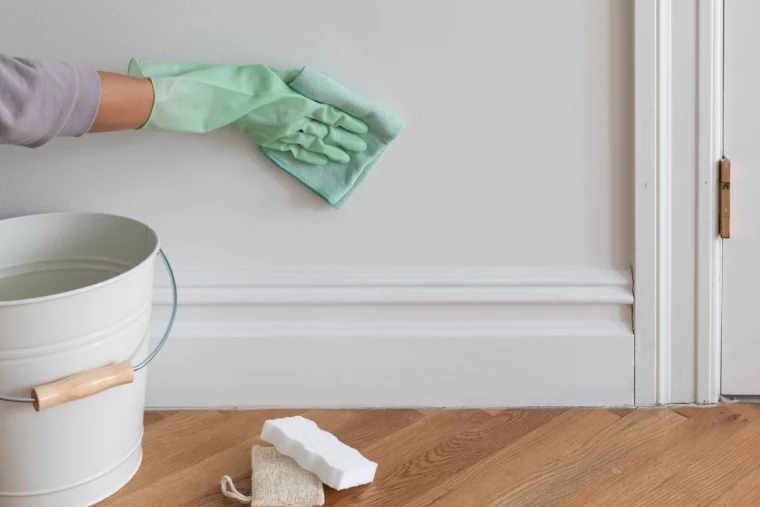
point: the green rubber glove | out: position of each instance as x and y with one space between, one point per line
256 100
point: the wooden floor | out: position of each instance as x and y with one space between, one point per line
581 458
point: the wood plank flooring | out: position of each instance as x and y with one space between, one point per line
479 458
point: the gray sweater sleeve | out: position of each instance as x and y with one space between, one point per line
42 100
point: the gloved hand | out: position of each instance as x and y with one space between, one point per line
256 100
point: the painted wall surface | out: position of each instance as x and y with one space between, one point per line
518 149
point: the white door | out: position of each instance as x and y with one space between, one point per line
741 252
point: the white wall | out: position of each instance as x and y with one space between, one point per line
493 240
518 149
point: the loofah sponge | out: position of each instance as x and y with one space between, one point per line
277 481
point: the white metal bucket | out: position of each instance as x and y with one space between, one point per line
75 295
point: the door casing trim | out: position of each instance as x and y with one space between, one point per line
678 56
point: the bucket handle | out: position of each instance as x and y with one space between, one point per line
91 382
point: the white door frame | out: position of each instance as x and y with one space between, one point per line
679 81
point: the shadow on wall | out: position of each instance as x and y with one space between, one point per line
621 123
300 197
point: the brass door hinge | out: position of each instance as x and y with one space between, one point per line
725 198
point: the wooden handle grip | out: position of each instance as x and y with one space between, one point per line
82 385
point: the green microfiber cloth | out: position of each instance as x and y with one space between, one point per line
335 182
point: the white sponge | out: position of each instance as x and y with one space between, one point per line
336 464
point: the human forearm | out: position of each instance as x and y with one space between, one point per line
125 103
41 100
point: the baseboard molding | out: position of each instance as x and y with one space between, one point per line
459 337
511 285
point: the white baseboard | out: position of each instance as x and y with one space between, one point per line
459 337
